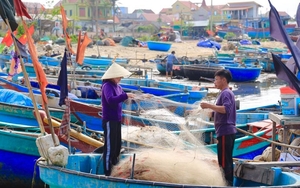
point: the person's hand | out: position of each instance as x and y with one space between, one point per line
130 95
204 105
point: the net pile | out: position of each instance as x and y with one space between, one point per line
171 149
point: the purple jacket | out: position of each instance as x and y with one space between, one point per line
112 98
225 123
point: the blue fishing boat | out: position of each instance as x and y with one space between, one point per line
244 74
86 170
267 65
159 46
53 94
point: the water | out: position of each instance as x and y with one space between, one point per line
264 91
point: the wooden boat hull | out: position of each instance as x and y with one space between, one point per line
244 74
195 72
83 171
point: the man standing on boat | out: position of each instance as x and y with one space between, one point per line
169 66
225 121
112 98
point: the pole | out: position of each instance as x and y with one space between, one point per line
211 15
27 82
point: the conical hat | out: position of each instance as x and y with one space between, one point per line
115 71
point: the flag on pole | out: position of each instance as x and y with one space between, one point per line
40 74
62 81
64 18
23 38
15 67
78 46
65 25
284 73
80 56
65 122
21 9
278 32
7 39
7 11
22 47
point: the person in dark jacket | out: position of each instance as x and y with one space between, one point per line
225 122
112 98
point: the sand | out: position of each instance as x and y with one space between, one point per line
186 48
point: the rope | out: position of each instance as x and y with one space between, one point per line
267 140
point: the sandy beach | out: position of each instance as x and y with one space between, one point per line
186 48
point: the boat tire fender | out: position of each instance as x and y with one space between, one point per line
50 91
86 67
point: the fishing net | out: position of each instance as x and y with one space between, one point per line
168 139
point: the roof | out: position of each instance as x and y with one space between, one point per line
149 11
154 17
246 2
283 14
164 10
189 4
237 8
150 17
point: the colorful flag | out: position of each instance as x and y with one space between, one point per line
21 9
23 38
7 39
284 73
62 81
64 18
40 74
65 25
65 122
80 56
7 11
22 48
15 67
78 45
278 32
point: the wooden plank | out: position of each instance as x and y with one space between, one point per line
284 120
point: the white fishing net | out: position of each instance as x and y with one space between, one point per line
169 141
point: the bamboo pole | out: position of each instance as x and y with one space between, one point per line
27 82
44 104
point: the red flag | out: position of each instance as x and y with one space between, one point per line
69 43
78 45
40 74
86 41
21 9
7 39
23 38
64 18
43 8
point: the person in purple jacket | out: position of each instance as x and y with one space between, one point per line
225 121
112 98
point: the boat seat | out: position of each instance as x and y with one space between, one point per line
255 173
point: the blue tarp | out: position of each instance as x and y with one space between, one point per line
245 42
209 44
14 97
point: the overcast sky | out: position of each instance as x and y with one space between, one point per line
289 6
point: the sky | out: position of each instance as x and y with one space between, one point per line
289 6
